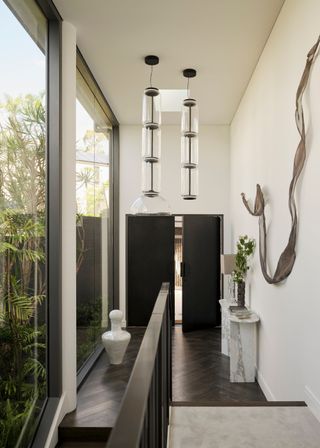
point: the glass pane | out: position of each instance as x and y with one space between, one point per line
23 388
93 220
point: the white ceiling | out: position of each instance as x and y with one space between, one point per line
222 39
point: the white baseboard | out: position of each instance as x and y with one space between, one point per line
265 388
169 429
313 402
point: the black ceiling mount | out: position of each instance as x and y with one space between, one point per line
189 73
151 60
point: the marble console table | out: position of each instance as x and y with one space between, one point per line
239 342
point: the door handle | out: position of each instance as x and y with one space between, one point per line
182 269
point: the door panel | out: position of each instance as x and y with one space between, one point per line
201 280
150 262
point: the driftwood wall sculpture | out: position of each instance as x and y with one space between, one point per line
288 256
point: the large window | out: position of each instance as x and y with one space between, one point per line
23 167
94 218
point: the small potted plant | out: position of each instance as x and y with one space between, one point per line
245 248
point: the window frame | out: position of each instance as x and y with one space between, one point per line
113 267
53 223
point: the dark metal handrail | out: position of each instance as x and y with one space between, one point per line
144 414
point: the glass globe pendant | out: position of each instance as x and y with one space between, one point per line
189 143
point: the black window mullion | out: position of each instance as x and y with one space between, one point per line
54 209
53 224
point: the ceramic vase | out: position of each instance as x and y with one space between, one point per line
116 341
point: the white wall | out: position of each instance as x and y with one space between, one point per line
263 143
213 177
68 268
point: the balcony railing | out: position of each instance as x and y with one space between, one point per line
144 414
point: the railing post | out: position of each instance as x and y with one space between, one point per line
157 399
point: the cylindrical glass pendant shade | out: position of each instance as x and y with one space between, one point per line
151 114
150 202
189 183
190 118
151 144
151 175
189 151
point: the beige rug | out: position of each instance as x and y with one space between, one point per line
243 427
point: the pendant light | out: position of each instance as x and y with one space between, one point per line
189 143
150 202
151 136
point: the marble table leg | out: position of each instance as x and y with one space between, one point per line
242 352
225 332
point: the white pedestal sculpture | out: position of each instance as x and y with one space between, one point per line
243 349
116 341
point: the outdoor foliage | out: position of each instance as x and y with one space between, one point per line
88 328
92 192
245 248
22 265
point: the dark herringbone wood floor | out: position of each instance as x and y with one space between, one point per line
100 396
201 373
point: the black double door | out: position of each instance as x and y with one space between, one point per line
150 262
